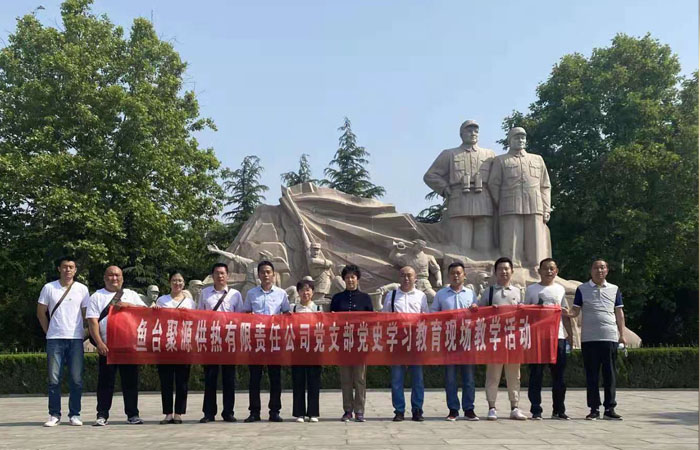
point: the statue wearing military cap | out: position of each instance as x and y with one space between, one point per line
519 184
460 175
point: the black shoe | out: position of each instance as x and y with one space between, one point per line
536 416
594 415
611 414
275 417
206 419
417 417
398 417
469 415
560 416
166 421
229 418
453 415
252 418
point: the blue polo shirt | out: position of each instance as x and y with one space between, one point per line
448 299
270 302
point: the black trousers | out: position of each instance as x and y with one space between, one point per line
534 389
274 374
228 382
306 378
179 374
599 355
106 377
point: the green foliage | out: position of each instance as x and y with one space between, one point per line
351 176
302 175
244 192
618 132
97 159
647 368
433 213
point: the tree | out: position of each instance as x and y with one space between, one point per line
302 175
351 176
245 193
97 159
618 132
433 213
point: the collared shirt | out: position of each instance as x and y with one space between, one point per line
413 301
67 320
167 301
351 301
100 299
260 301
310 307
209 297
502 295
598 305
554 294
448 299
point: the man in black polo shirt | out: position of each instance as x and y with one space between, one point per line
352 299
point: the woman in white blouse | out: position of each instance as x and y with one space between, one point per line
306 376
174 374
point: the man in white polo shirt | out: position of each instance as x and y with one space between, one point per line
602 328
547 292
98 307
60 310
503 293
407 299
219 298
265 299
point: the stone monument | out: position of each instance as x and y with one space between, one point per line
496 206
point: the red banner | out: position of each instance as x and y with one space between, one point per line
507 334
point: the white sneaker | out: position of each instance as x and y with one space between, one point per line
516 414
313 419
300 420
52 422
492 414
76 422
100 422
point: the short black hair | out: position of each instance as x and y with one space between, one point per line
70 258
501 260
264 263
350 269
595 260
304 283
178 272
456 264
213 268
546 260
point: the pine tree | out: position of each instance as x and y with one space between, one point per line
245 193
433 213
302 175
351 176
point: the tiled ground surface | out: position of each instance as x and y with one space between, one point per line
659 419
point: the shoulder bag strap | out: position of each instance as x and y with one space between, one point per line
393 297
60 300
490 295
117 297
221 300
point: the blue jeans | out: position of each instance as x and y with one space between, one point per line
65 353
417 391
468 388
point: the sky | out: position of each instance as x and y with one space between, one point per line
278 77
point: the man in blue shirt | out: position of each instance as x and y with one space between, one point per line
265 299
456 296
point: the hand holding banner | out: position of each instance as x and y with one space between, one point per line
507 334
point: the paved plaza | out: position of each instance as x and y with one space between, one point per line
658 419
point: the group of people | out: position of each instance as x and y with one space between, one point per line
64 304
